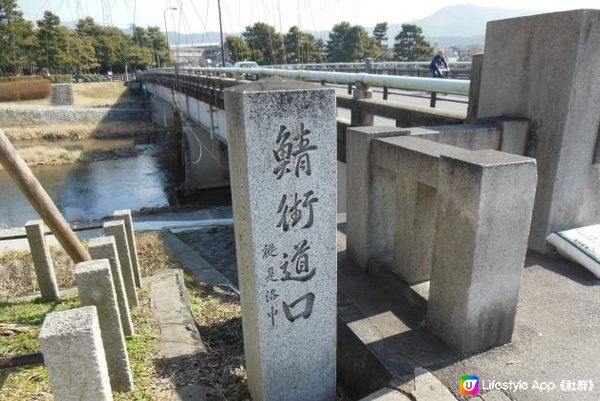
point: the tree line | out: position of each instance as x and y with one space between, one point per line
346 43
48 47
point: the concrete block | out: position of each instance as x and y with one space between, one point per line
42 260
105 248
283 180
414 162
485 200
117 230
476 67
95 285
74 355
554 91
125 215
363 187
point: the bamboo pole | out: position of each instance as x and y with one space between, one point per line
40 200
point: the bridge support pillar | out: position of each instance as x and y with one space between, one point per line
163 113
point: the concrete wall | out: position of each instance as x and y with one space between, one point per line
545 68
13 116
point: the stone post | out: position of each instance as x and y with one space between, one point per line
476 67
125 215
105 248
117 230
359 118
558 92
42 260
367 227
283 177
74 355
485 200
95 284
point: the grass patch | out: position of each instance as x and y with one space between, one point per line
218 318
17 274
77 131
33 312
153 253
101 94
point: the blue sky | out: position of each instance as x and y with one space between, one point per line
201 15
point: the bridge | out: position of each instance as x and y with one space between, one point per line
191 99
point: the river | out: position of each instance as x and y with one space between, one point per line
91 190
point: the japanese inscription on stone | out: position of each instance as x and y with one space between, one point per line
283 179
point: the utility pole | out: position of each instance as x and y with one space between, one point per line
165 20
221 30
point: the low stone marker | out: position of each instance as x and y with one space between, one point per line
282 146
95 284
125 215
105 248
117 230
74 355
42 261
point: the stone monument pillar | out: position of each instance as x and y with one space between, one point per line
282 144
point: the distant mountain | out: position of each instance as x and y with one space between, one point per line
465 20
461 25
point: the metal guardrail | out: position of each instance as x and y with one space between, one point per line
374 64
454 86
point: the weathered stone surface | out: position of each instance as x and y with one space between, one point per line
524 77
484 209
117 230
42 261
95 284
364 222
283 178
125 215
179 337
74 355
105 248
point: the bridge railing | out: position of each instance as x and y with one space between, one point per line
434 85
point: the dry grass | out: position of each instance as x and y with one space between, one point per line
24 90
153 254
100 94
40 155
17 275
76 131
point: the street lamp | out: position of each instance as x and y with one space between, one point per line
165 19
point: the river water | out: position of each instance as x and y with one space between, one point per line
88 191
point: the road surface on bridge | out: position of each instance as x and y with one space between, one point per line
455 103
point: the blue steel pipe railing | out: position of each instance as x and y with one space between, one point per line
454 86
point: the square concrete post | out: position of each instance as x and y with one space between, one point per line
95 284
363 189
125 215
105 248
358 117
282 148
476 67
524 76
42 260
117 230
485 200
74 355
